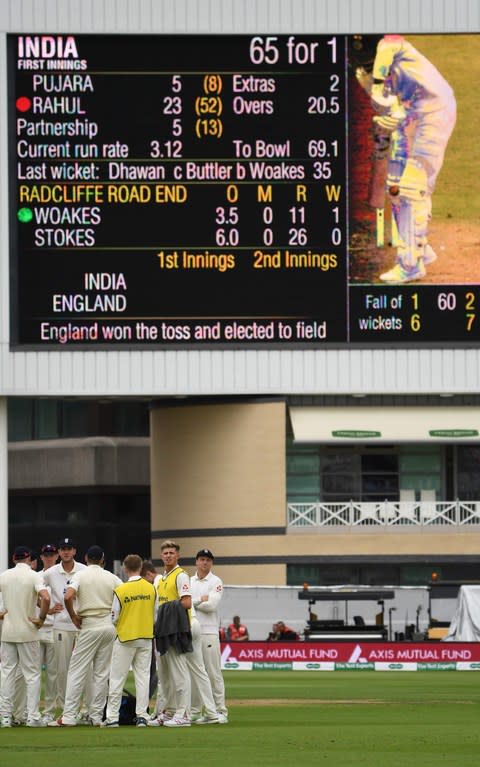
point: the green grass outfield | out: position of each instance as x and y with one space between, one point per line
333 719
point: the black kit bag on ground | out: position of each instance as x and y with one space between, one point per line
126 714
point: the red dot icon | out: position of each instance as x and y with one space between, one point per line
23 104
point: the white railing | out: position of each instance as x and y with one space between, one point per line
392 514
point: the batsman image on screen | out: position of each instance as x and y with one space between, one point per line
409 105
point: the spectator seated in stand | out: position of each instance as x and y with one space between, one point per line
236 631
282 633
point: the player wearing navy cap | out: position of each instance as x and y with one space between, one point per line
21 587
88 600
207 591
65 633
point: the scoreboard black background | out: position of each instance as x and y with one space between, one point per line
199 191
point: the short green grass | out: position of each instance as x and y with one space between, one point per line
336 719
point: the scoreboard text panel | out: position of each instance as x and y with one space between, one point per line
203 191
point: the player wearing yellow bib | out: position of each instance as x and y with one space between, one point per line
133 613
173 585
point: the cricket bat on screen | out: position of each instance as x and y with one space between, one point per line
378 179
376 197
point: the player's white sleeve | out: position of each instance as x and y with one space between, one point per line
73 584
182 583
214 597
116 607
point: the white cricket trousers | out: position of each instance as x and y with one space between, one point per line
138 654
26 657
93 649
174 684
213 666
47 658
202 697
63 643
20 702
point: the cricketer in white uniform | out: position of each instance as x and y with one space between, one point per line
207 591
133 614
49 556
417 107
203 709
58 578
93 588
21 587
19 714
201 688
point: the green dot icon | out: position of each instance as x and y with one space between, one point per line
25 215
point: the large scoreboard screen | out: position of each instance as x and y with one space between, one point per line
243 190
